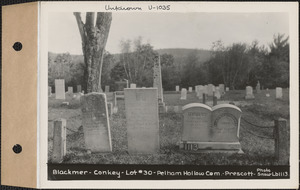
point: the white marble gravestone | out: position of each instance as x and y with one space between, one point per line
183 94
278 93
132 85
222 89
177 88
60 89
249 93
210 89
70 90
217 92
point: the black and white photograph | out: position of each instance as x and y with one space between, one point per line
166 95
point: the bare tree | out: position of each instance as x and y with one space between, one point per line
94 37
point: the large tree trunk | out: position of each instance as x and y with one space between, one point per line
94 38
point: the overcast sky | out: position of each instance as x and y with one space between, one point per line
171 30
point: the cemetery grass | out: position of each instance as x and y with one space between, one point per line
258 150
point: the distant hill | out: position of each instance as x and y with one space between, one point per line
179 54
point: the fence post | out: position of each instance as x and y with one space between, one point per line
203 98
59 140
281 141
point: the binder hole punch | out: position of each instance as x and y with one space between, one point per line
17 46
17 148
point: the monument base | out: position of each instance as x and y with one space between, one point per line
201 147
249 97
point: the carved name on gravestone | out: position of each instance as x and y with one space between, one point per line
70 90
106 88
249 93
78 88
177 88
95 122
278 93
49 91
210 89
60 89
141 108
183 94
215 128
157 81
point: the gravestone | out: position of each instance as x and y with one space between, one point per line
226 126
132 85
249 93
210 89
190 89
196 122
119 94
106 88
222 89
60 89
49 91
120 85
215 128
200 91
141 109
59 140
70 90
217 93
278 93
227 89
205 89
95 122
177 88
183 94
258 87
157 81
112 98
79 88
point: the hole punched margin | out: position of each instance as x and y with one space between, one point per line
17 46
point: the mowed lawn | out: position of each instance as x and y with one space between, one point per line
258 150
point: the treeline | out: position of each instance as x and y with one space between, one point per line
236 66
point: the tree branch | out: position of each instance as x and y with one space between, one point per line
80 27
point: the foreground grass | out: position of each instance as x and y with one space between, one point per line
258 151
